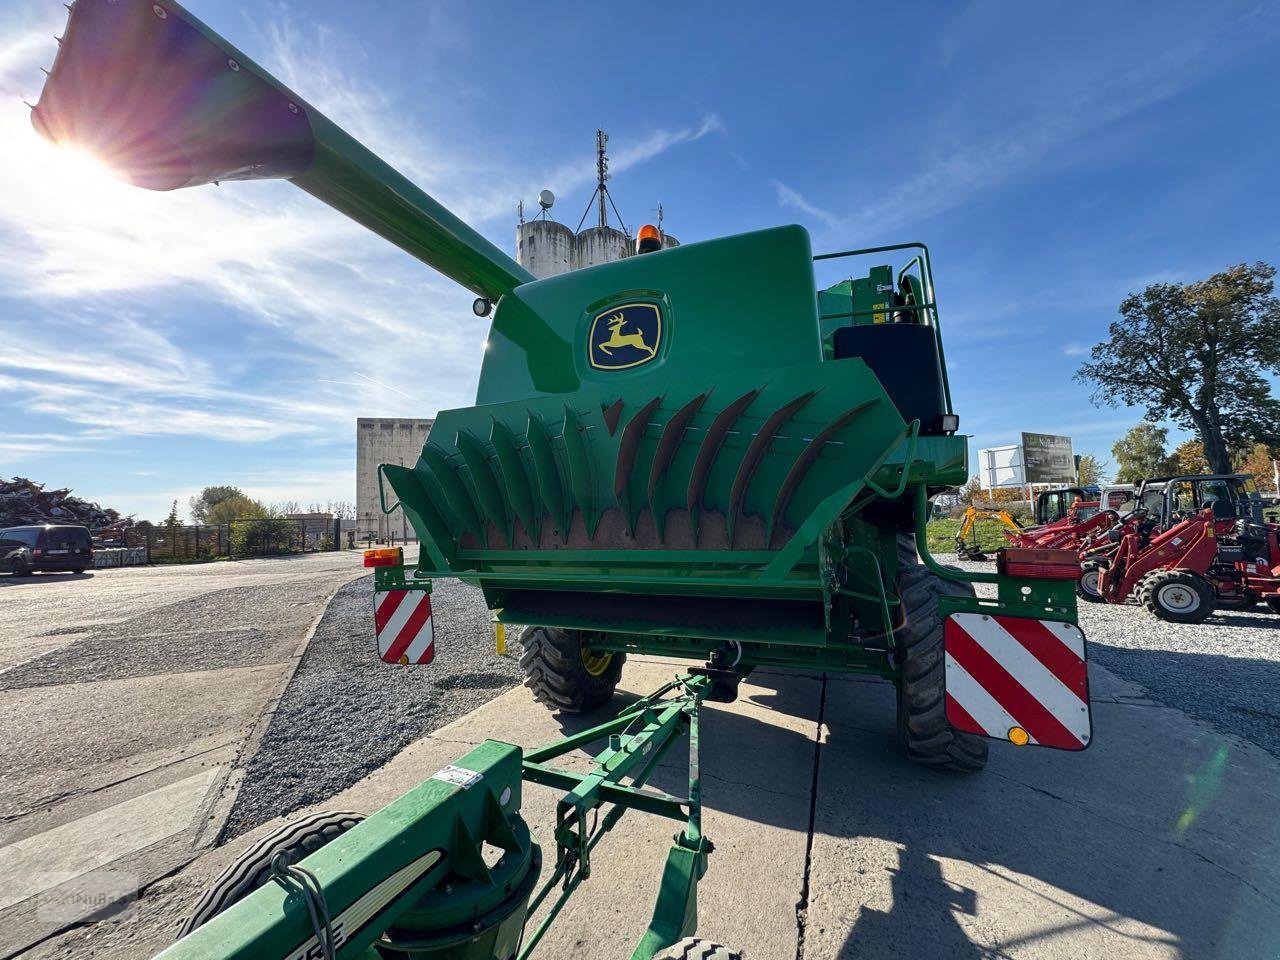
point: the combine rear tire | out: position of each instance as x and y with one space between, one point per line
562 672
1087 586
691 948
922 710
1177 596
252 869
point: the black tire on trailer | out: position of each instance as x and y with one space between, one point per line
1087 585
922 711
693 948
252 869
1274 604
562 672
1177 596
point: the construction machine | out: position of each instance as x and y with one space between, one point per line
1204 546
693 453
968 543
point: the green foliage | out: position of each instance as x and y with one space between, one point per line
1140 453
238 507
172 520
1197 354
1091 470
211 497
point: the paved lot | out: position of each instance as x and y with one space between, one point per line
126 697
1160 841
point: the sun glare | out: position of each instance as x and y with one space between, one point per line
67 182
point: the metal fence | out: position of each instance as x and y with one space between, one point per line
269 536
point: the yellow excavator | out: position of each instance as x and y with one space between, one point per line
972 550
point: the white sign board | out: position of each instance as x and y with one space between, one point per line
1001 467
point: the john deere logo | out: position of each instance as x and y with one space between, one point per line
625 336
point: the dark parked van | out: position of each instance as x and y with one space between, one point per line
24 550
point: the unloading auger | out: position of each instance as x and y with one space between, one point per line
692 452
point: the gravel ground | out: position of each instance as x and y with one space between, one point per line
346 713
1225 671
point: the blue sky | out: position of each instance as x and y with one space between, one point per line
1054 157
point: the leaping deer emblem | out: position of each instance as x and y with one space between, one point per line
619 339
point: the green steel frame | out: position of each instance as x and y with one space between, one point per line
411 881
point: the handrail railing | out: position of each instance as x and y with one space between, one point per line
926 275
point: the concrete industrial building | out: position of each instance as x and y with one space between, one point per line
396 440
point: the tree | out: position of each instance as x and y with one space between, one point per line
172 520
1188 457
209 498
1140 453
1197 354
1258 462
1091 471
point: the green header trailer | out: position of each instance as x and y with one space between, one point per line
692 453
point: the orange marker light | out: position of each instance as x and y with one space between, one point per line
1019 737
648 239
384 557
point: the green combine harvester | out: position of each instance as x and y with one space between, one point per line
692 453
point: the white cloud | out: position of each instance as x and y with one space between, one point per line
793 199
366 329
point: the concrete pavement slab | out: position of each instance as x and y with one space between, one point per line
1159 841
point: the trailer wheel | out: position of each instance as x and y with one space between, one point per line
1274 604
563 673
1087 586
922 713
1177 596
692 948
252 869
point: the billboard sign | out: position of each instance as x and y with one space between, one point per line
1048 459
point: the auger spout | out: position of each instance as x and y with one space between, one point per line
168 103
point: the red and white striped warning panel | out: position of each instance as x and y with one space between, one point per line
402 620
1018 679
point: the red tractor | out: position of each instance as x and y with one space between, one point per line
1206 549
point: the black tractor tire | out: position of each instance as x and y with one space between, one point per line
693 948
1177 596
296 839
1087 585
922 708
562 675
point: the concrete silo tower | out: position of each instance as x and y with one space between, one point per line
543 246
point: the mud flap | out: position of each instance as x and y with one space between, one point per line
1018 679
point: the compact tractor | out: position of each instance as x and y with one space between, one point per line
1198 544
692 452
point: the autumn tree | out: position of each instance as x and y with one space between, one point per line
1197 354
1140 453
1188 458
1259 463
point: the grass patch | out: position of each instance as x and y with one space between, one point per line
942 535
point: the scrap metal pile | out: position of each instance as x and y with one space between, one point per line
24 501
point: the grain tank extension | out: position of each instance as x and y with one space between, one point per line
693 452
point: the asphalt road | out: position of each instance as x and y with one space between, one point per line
126 698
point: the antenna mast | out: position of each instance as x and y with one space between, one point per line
602 173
